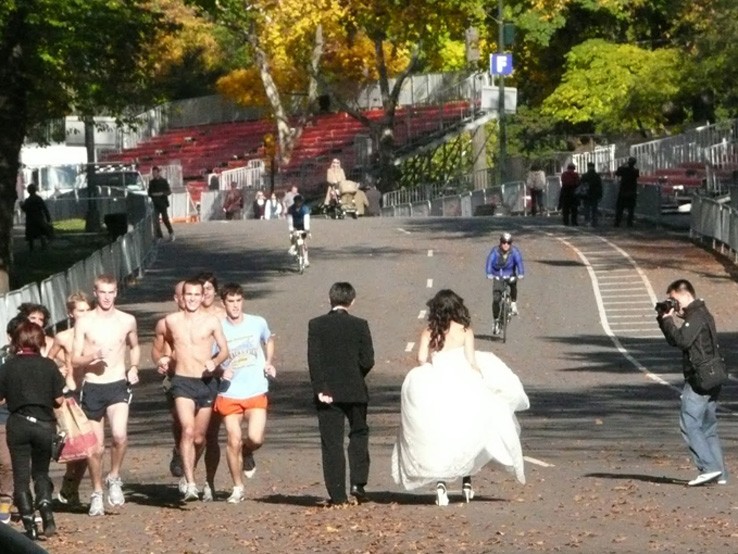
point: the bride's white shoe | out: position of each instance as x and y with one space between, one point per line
468 492
441 495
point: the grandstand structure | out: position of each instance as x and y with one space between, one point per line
432 109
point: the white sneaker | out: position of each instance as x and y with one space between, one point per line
191 493
182 485
514 308
703 478
97 507
496 329
292 251
468 492
236 496
115 491
171 237
207 493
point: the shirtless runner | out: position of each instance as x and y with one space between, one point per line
100 341
78 306
190 335
162 351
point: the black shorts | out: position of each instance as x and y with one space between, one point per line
95 398
202 390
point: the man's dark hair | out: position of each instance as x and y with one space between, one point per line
196 282
208 277
28 308
681 285
14 323
341 294
231 289
155 168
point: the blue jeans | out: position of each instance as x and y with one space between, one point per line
698 423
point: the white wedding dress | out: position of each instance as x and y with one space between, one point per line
454 420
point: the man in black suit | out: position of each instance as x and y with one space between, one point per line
340 354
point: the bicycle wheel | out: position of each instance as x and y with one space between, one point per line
504 317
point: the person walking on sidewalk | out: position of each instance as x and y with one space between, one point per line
568 201
32 386
340 355
627 195
159 193
593 184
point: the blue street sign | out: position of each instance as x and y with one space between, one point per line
500 64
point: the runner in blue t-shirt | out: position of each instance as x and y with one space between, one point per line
244 396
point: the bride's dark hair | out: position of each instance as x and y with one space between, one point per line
446 306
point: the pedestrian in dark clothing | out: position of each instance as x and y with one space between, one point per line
32 386
159 192
38 218
568 201
593 183
340 355
628 175
374 198
696 337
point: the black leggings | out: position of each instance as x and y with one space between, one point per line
30 454
497 289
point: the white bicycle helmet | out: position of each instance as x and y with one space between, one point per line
506 237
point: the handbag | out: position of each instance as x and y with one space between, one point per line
711 373
80 441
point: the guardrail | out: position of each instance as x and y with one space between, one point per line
514 199
717 222
250 176
125 259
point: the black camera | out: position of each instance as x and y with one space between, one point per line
666 306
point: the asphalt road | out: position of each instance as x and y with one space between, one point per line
607 464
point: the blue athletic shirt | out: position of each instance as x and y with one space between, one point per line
246 356
299 218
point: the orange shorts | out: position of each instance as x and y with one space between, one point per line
229 406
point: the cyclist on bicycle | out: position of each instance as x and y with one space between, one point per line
504 261
298 220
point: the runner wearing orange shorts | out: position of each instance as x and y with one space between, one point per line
243 392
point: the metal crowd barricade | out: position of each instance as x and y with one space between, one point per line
249 177
451 206
75 276
54 296
420 209
181 207
211 205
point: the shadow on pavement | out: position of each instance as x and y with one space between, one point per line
661 480
154 494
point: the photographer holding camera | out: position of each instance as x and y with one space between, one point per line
697 339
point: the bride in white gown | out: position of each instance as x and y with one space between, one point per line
458 411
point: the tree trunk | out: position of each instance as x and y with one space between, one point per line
13 117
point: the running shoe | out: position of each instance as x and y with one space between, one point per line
5 506
182 485
97 507
115 491
175 464
292 251
496 330
249 465
207 493
236 496
514 308
69 493
191 493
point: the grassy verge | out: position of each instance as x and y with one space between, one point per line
70 245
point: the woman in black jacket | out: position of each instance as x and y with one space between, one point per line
32 387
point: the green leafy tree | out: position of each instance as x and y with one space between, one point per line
617 87
59 57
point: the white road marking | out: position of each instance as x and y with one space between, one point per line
409 347
537 462
601 306
430 253
404 231
421 314
429 284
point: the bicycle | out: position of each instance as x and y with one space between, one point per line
298 242
505 314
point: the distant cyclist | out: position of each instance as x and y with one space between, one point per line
298 219
503 261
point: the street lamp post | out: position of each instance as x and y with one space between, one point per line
501 160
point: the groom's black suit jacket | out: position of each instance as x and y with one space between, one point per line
340 354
